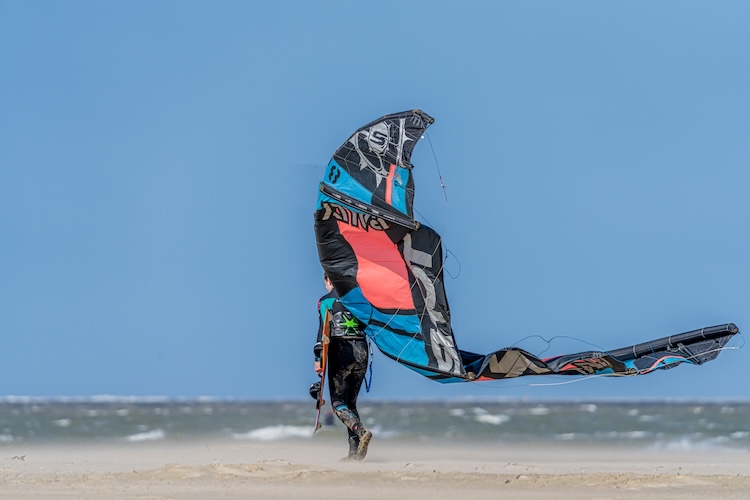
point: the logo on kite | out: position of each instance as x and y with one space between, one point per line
377 137
355 219
334 174
379 146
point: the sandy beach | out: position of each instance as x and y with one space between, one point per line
313 469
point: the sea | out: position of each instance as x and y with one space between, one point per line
653 425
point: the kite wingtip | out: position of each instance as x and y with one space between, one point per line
430 120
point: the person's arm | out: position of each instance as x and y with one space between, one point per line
318 348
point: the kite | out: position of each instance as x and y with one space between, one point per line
387 269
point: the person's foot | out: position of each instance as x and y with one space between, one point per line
364 440
353 446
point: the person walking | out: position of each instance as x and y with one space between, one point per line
346 366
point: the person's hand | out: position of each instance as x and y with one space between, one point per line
318 368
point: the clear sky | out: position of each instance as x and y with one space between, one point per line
160 161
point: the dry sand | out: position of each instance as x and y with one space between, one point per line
392 470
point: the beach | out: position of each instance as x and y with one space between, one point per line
224 468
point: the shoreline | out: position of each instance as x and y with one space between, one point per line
197 468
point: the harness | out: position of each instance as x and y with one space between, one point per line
344 324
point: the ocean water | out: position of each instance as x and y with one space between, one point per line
679 425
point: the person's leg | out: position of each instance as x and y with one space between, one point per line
341 364
354 384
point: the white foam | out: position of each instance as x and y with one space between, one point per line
6 438
568 436
636 434
155 435
62 422
623 435
492 419
276 432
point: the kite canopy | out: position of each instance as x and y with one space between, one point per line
388 271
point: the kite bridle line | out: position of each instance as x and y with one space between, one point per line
658 364
609 352
583 378
437 166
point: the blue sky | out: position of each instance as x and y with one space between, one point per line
159 166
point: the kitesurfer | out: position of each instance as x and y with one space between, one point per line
347 365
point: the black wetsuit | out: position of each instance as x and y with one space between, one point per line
347 363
